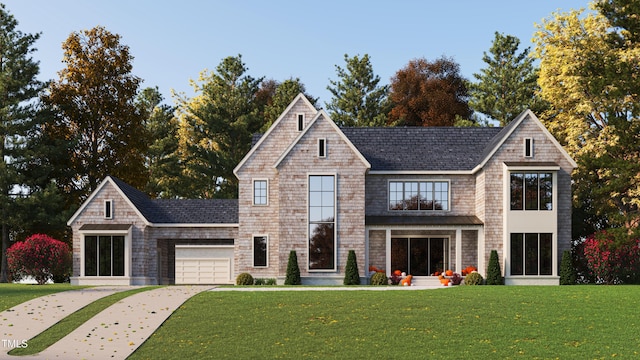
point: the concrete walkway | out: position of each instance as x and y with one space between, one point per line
24 321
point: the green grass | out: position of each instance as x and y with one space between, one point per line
584 322
14 294
72 322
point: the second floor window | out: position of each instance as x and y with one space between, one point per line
260 192
531 191
418 195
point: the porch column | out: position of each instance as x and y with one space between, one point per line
388 250
481 255
458 251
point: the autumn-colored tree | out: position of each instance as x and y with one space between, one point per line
41 257
215 129
358 99
429 94
283 94
588 74
508 85
93 102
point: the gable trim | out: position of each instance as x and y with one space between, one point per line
517 121
107 180
323 114
299 97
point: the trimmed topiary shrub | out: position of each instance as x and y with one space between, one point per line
379 279
351 275
293 271
41 257
567 271
474 279
494 275
244 279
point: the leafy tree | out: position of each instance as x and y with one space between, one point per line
161 160
93 102
357 99
351 274
18 89
507 86
293 271
215 129
588 74
494 274
283 94
429 94
40 256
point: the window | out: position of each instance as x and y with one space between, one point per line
322 239
108 209
322 148
528 147
420 256
104 255
418 195
260 251
300 118
531 254
531 191
260 192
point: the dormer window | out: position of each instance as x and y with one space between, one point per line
528 147
322 148
108 209
300 118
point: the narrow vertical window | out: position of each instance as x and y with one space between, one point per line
260 192
528 147
322 148
322 210
300 122
108 209
260 251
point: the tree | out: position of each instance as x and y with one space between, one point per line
357 99
588 74
567 271
508 85
351 274
283 94
216 128
428 94
41 257
93 102
293 271
18 88
494 274
160 160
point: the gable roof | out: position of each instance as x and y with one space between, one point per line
171 212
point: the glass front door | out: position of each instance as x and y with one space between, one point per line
419 256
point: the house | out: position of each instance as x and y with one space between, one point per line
420 200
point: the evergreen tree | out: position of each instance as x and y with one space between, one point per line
283 94
507 86
18 88
351 275
567 271
494 274
357 99
293 271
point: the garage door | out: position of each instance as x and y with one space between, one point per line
203 264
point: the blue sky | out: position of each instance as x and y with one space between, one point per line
173 41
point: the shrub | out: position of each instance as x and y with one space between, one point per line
379 279
612 259
259 282
567 271
270 281
395 279
244 279
293 271
351 275
494 275
456 279
40 256
474 279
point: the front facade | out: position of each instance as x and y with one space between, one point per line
419 200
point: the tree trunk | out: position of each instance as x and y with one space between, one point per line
4 278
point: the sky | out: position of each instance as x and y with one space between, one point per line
174 41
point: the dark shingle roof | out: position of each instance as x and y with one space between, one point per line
181 211
423 148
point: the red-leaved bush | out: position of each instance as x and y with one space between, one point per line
39 256
612 261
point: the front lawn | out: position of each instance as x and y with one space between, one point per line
460 323
14 294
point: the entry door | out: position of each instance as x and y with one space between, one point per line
419 256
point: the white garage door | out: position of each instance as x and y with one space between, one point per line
202 264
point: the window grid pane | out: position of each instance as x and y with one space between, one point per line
260 192
422 195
